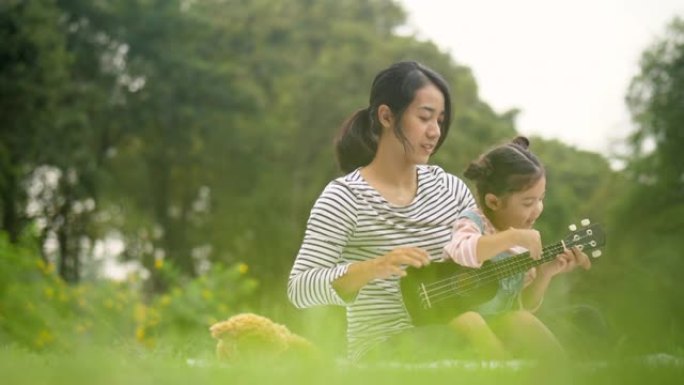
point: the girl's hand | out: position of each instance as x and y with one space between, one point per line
566 262
394 263
529 239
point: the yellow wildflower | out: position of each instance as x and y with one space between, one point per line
43 338
165 300
140 333
140 313
243 268
49 292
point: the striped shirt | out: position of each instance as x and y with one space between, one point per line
351 222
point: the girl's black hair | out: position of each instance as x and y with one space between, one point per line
505 169
395 87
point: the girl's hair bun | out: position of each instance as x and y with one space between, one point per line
522 142
479 169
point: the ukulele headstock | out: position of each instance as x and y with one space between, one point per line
588 238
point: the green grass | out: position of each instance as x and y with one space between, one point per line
135 366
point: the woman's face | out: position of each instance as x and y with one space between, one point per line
420 124
520 209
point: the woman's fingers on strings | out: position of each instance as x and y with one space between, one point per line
417 256
408 257
398 272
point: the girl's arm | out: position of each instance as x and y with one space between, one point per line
490 245
469 247
533 294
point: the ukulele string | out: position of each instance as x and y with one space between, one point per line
436 285
444 291
436 294
465 288
509 263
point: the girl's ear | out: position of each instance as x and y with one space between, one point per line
385 116
492 201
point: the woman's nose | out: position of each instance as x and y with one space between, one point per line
434 131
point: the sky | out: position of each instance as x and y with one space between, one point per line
566 65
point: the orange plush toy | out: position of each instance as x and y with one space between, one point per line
249 337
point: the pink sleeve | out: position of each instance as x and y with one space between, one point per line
463 245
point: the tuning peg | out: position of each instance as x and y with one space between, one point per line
572 227
596 253
585 222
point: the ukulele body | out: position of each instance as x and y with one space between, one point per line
441 291
437 293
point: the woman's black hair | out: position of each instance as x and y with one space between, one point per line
505 169
396 88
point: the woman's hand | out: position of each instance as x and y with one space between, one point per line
566 262
394 263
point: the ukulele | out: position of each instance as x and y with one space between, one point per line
442 290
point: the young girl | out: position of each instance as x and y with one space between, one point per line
511 184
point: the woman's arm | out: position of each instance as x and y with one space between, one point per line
319 260
319 276
391 264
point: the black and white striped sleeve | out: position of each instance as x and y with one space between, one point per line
319 261
464 198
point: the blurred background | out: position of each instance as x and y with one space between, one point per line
158 161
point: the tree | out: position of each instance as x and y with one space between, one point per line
648 216
33 77
656 101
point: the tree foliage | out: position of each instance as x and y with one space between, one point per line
200 132
647 209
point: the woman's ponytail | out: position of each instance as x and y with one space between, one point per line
357 141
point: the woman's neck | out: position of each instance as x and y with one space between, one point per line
397 182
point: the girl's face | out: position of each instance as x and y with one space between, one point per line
420 124
519 209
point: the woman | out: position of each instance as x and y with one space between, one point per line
389 211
